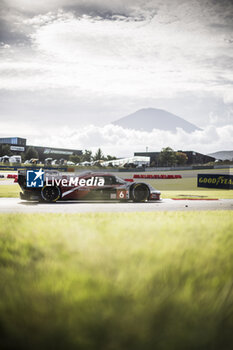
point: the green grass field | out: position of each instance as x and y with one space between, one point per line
138 281
9 191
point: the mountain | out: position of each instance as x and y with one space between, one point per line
147 119
223 155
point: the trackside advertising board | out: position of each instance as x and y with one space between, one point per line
215 181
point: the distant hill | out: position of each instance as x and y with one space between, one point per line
222 155
147 119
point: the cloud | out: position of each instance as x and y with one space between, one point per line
13 30
19 19
117 141
122 142
79 6
126 54
10 34
120 57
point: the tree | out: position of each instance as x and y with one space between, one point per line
5 150
110 157
99 155
87 156
181 158
74 158
31 153
167 157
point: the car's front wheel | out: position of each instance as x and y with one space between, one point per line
140 193
50 193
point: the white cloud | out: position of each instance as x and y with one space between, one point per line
121 57
228 95
97 50
117 141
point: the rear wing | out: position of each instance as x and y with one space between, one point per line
23 172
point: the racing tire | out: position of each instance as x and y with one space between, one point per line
50 193
139 192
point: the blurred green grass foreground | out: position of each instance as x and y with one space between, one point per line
117 281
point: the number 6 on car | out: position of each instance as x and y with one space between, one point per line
121 194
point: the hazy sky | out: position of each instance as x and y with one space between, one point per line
70 67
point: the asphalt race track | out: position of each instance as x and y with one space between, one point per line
15 205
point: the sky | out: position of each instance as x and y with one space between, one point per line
68 68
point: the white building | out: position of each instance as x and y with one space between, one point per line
137 160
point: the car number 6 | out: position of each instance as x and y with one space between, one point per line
121 195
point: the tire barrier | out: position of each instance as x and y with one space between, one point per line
143 176
2 176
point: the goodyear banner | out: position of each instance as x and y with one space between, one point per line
215 181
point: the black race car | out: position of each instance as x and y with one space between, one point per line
51 186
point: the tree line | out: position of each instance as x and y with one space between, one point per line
31 152
89 156
169 157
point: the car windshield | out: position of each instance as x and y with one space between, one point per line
112 180
119 180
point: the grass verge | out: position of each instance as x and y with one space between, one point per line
116 281
9 191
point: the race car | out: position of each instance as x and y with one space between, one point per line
54 186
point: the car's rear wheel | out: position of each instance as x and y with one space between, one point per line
50 193
140 192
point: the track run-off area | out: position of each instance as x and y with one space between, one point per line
15 205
